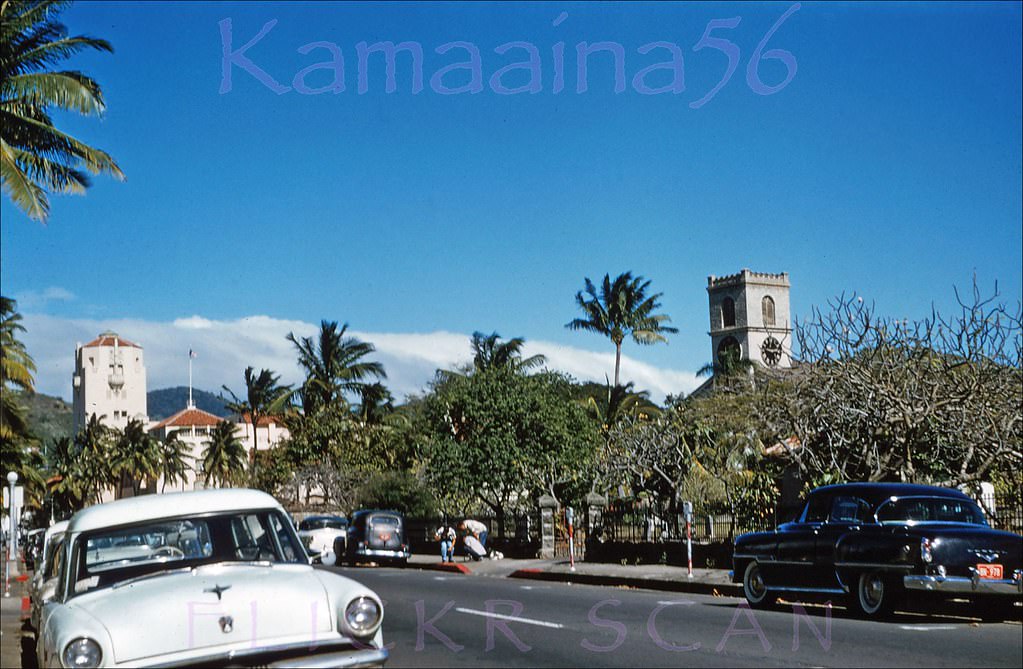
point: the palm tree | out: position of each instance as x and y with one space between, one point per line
615 403
489 353
223 459
94 467
16 372
36 157
376 403
263 397
65 484
175 457
334 366
620 309
729 366
137 455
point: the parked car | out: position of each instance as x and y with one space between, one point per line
44 579
201 578
875 542
318 534
33 547
377 536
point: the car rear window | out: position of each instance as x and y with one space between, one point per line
322 524
930 510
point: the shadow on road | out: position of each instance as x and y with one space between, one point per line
28 646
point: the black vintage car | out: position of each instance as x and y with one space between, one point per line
875 542
377 536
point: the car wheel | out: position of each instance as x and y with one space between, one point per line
875 595
753 587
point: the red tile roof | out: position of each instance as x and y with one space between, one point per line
262 422
108 339
188 418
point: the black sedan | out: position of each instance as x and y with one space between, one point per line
874 542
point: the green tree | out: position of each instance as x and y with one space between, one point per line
490 352
334 366
620 309
64 482
16 372
494 437
730 369
263 397
36 157
607 404
401 491
175 460
376 403
223 459
137 456
94 450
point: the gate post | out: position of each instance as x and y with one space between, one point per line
547 507
595 505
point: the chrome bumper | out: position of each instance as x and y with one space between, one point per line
973 584
363 658
373 552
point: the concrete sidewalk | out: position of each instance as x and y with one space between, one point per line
649 577
14 615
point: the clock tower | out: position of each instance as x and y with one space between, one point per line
749 318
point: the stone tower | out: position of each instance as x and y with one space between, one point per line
109 381
750 318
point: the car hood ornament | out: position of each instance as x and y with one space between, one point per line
218 590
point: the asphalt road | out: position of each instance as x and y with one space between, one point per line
435 619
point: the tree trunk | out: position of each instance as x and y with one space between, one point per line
618 360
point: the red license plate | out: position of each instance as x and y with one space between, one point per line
989 571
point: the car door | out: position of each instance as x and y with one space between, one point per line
797 545
846 515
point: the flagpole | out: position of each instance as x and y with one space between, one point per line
190 404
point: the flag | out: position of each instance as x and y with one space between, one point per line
192 354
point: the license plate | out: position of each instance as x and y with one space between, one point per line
989 571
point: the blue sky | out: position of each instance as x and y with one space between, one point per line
889 165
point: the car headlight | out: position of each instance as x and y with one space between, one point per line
82 652
362 616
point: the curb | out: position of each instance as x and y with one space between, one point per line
695 587
450 567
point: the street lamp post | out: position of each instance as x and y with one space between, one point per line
12 540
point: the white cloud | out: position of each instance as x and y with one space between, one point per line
34 299
224 348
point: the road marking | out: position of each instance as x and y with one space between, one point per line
514 619
927 628
683 602
535 587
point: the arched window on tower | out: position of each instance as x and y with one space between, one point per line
767 305
728 313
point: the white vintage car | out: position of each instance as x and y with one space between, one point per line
325 537
44 579
211 577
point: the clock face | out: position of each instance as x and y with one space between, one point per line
771 351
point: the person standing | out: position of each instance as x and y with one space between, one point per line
445 534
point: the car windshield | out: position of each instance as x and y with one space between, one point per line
930 510
108 556
322 524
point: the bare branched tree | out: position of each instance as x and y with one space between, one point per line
935 400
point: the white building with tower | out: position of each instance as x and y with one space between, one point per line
750 318
109 382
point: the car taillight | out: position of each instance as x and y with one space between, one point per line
925 550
